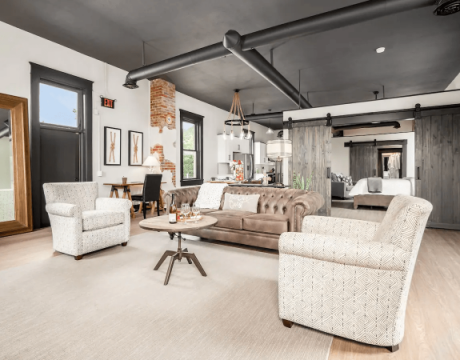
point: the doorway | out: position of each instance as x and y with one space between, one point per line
61 133
390 163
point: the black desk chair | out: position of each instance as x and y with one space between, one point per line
151 192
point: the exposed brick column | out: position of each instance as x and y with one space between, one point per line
162 104
163 115
165 163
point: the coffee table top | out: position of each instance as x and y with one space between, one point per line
161 223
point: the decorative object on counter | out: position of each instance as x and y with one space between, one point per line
153 163
112 146
124 180
238 170
300 183
135 148
236 118
279 149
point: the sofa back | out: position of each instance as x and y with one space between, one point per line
83 194
271 200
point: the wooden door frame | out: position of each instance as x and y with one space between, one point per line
379 161
40 74
21 166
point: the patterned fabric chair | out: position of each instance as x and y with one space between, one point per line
351 278
81 222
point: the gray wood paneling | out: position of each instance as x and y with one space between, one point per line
311 154
437 153
363 162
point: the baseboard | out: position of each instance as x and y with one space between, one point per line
443 226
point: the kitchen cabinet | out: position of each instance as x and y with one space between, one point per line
260 153
240 145
224 149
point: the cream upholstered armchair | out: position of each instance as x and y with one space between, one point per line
81 222
351 278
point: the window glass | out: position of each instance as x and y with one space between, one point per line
189 164
188 136
58 106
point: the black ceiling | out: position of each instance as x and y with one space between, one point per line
338 66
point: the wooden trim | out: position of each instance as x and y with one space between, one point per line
372 200
376 143
198 121
443 226
21 166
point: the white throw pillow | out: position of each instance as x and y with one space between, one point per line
210 195
241 202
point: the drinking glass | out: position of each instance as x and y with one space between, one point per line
195 212
185 210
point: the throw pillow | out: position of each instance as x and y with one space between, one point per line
241 202
210 195
334 177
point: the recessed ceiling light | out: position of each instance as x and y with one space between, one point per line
380 50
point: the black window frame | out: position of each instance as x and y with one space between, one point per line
197 120
84 87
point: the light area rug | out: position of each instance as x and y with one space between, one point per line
112 305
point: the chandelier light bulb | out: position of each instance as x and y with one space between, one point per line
242 134
224 135
231 135
249 136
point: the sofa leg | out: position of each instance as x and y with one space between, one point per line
124 244
78 257
287 323
393 348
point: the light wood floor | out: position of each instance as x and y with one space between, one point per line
433 313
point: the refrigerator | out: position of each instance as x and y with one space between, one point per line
248 164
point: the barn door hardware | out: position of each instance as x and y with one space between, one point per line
418 173
418 112
328 172
329 120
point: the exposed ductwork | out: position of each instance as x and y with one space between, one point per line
232 42
245 45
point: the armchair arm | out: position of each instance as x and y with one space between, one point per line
304 205
345 251
186 195
112 204
63 209
354 229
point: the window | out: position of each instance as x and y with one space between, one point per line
191 140
59 106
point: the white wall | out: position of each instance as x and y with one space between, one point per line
18 48
341 154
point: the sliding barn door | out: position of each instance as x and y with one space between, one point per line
311 155
363 161
437 165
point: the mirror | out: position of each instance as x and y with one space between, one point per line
15 189
6 167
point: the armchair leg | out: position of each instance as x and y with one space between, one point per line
287 323
124 244
78 257
393 348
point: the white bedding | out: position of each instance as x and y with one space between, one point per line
389 187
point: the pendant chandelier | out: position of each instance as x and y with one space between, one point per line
236 118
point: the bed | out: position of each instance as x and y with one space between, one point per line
390 188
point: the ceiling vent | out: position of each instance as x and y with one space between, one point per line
447 7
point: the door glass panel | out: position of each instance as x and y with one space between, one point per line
188 136
58 106
6 168
189 164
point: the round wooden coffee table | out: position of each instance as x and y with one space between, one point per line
161 223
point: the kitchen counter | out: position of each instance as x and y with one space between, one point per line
259 185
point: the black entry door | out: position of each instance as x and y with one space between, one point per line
59 161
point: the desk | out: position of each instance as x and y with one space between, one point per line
127 192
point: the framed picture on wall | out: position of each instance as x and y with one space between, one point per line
135 148
112 146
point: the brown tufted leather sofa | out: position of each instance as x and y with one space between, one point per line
278 211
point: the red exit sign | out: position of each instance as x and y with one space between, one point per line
108 103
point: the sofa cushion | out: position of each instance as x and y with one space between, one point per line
266 223
230 219
206 211
100 219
